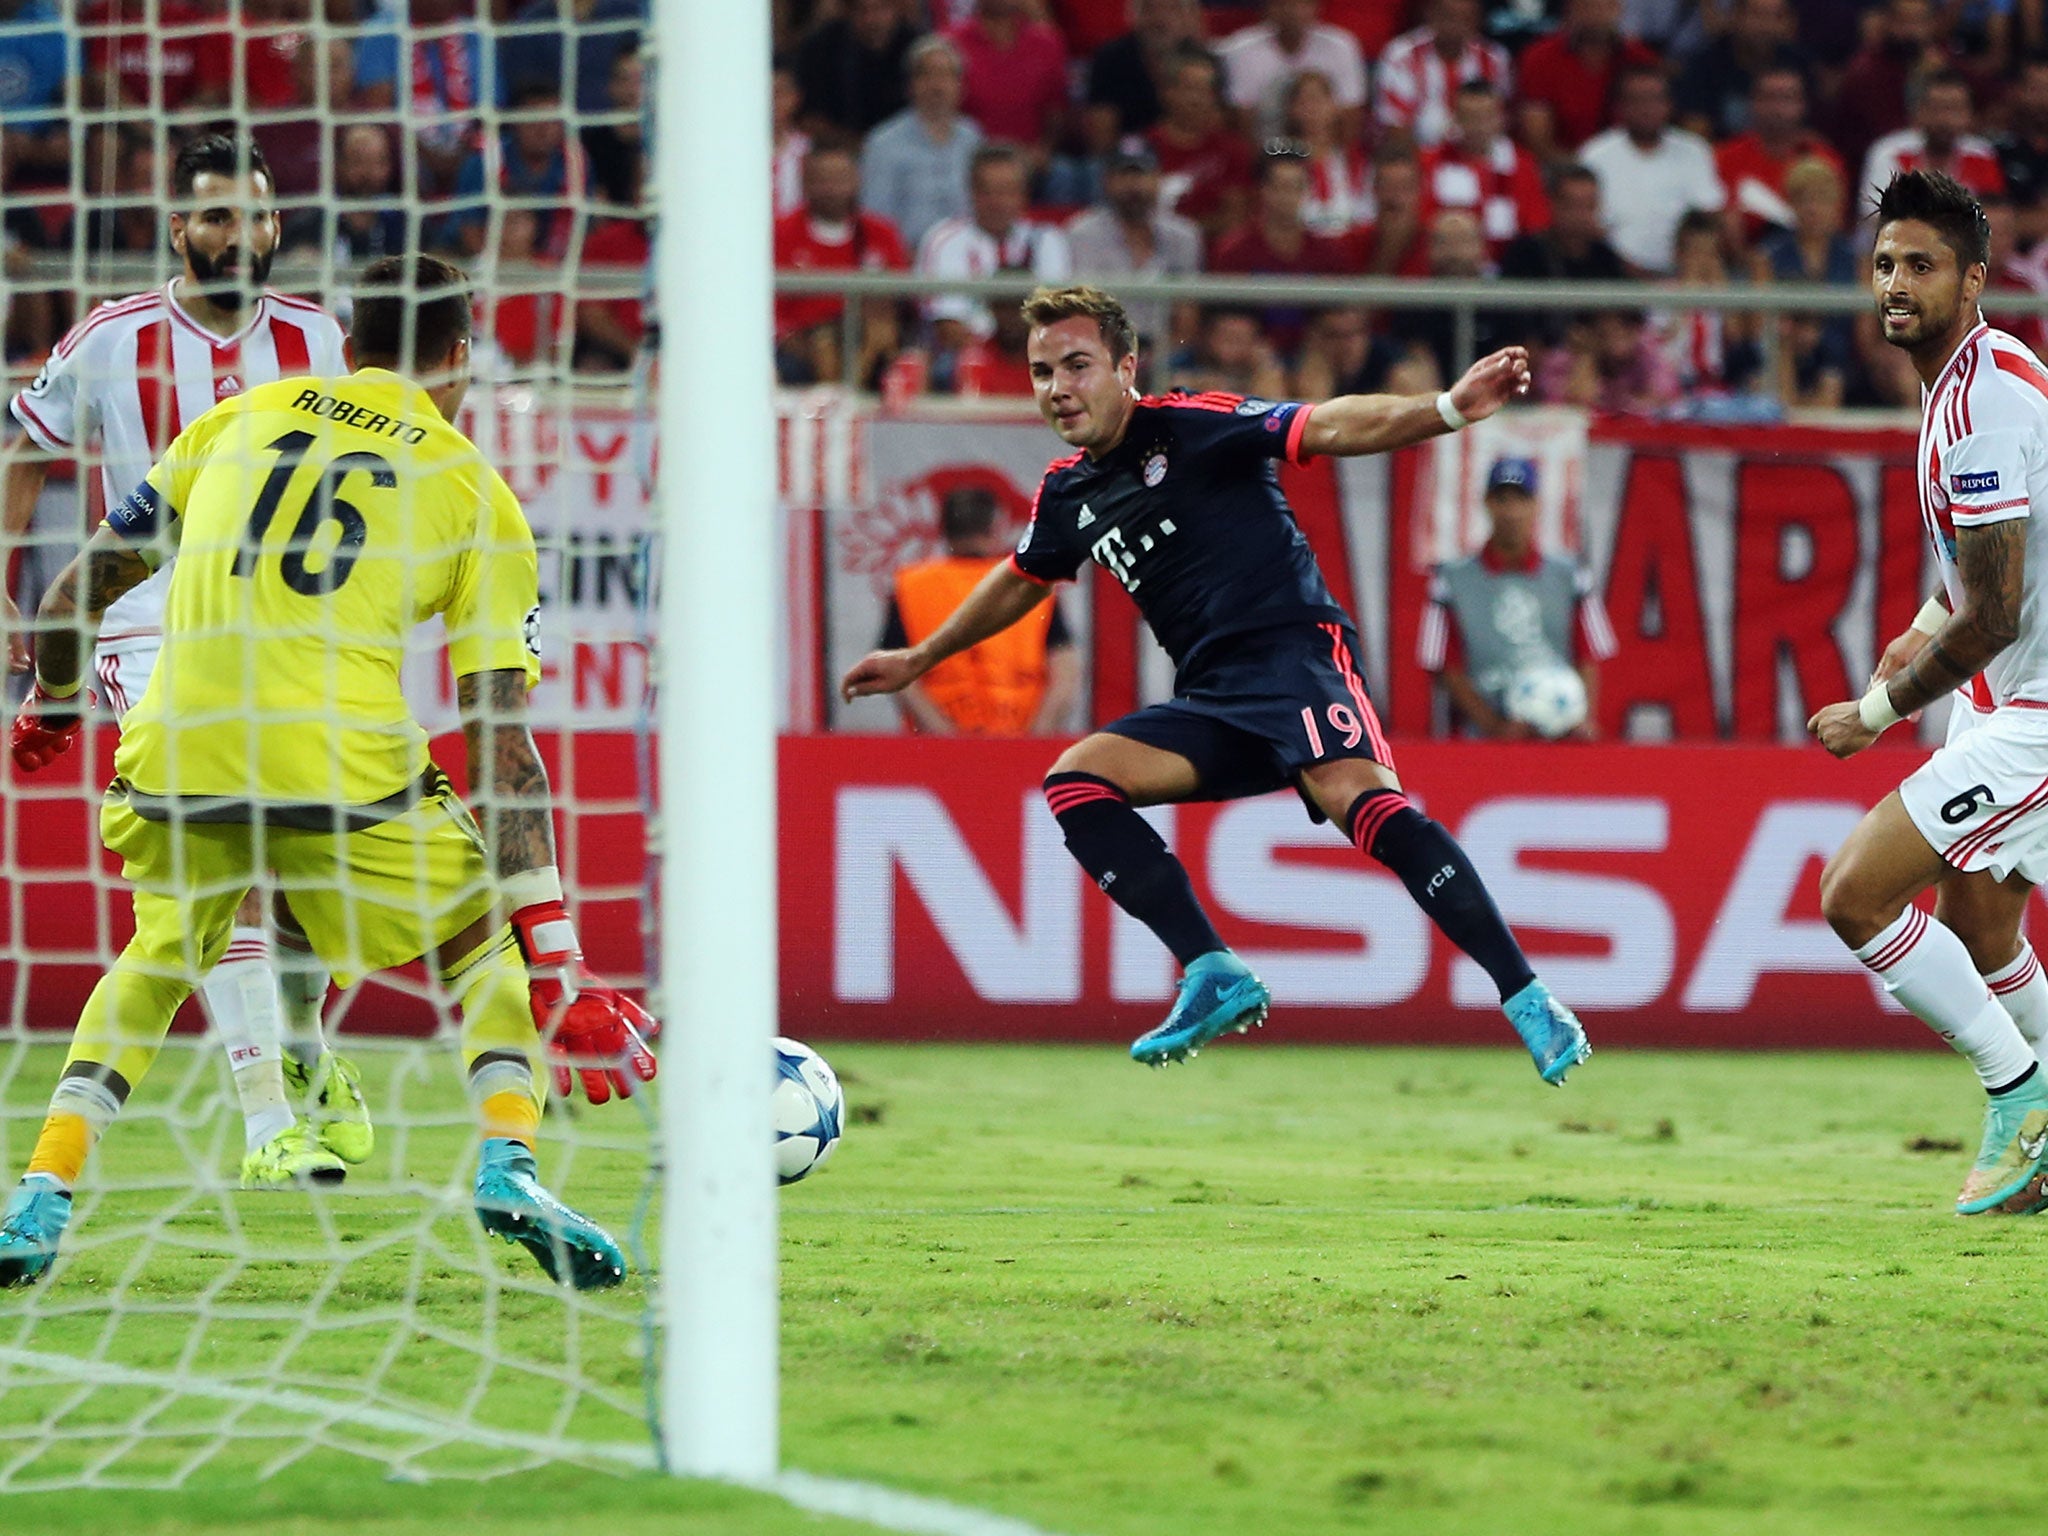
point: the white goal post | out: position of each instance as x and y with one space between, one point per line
715 644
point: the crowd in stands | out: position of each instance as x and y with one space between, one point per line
493 131
1703 142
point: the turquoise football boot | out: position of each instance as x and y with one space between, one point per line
36 1216
2013 1156
1550 1030
511 1204
1218 995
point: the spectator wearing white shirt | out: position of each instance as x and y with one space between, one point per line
1260 60
995 238
1131 235
1420 71
1651 174
913 168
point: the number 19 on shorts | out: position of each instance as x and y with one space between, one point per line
1344 722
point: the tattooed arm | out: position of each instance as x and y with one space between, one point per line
507 780
1992 561
68 620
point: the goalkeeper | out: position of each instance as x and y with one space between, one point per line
317 521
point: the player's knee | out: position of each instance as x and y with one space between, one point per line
1847 903
1085 756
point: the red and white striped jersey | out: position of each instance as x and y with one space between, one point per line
134 373
1984 459
1413 85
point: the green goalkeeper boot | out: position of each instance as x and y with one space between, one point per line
292 1159
511 1204
330 1095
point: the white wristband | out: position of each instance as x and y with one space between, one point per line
1930 618
530 887
1453 417
1875 710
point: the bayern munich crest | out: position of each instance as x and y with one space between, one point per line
1155 469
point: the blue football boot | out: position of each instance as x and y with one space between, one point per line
511 1204
1549 1029
1218 995
36 1216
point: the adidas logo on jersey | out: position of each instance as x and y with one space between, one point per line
226 385
1087 516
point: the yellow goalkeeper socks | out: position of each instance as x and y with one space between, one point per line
512 1115
63 1146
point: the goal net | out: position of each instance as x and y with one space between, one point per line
190 1324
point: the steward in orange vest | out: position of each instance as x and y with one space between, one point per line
996 688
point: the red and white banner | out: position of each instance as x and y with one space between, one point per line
1669 893
1750 573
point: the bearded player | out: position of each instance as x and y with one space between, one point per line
317 522
1972 821
119 387
1179 500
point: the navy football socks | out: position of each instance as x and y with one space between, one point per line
1135 869
1383 824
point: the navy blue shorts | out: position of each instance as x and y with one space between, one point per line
1262 707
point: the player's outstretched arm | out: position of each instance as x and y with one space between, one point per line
592 1029
1351 425
1000 599
68 620
1992 561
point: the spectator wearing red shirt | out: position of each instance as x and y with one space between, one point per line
1420 70
1016 80
1480 168
1753 164
608 331
1339 176
1568 78
1204 167
1393 244
2011 272
1939 140
523 325
1871 100
174 45
298 145
1275 241
830 233
271 35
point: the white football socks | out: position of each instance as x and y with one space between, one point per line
2022 988
1925 966
241 999
302 988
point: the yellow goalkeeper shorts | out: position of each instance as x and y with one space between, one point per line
374 887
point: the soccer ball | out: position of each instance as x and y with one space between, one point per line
809 1110
1550 700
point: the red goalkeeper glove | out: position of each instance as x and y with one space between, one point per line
593 1031
46 728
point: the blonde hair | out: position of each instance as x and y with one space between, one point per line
1812 169
1049 306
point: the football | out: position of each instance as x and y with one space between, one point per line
809 1110
1551 701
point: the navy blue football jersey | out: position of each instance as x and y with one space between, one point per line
1187 513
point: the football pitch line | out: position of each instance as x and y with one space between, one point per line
890 1509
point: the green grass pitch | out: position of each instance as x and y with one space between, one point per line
1284 1290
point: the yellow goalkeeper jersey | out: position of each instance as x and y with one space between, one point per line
316 522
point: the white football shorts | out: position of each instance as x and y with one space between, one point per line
1981 800
120 677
